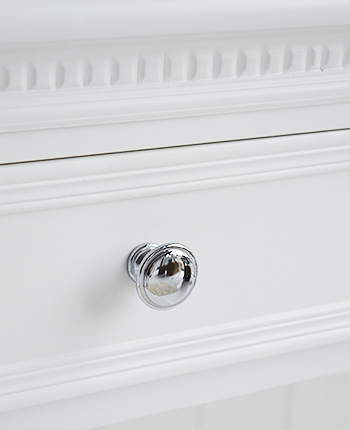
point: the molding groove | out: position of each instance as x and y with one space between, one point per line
79 181
42 381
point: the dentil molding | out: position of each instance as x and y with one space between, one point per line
46 85
141 69
140 63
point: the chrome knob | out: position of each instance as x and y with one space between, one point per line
164 274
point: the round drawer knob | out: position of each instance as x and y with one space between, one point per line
164 274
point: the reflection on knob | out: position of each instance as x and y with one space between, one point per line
164 274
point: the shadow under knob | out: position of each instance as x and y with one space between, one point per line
164 274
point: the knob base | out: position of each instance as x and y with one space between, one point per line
136 256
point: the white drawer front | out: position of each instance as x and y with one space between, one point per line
267 221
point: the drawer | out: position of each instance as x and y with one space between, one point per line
267 221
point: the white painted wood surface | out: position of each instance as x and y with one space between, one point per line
321 404
318 404
54 20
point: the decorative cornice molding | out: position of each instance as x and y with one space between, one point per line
52 379
192 60
78 181
63 84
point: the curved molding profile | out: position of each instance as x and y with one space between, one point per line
78 181
52 379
